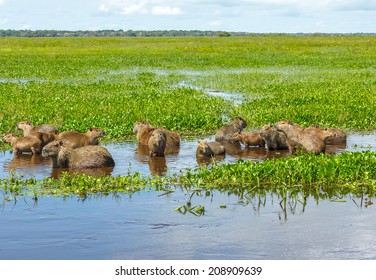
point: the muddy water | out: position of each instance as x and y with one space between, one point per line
130 158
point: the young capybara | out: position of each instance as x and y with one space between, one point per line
27 144
275 140
226 132
28 128
339 136
90 156
209 149
157 143
311 140
74 139
249 139
144 128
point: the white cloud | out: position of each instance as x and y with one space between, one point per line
215 23
131 7
159 10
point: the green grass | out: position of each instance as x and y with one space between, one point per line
110 83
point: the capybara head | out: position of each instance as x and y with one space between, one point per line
96 132
8 138
158 137
52 148
266 130
22 125
140 124
203 147
240 123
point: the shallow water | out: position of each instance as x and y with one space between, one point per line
129 158
145 226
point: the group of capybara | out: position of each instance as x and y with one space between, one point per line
71 149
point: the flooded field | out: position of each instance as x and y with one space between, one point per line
146 225
130 158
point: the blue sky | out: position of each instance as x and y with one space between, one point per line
287 16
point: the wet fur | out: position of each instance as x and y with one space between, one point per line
274 140
144 129
209 149
226 132
27 128
27 144
309 140
249 139
74 139
157 143
91 156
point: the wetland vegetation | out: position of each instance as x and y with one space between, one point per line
110 83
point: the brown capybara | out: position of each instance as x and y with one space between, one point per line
339 135
44 137
249 139
90 156
144 128
209 149
311 140
157 143
274 140
27 128
27 144
226 132
74 139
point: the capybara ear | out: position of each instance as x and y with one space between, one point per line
28 122
90 129
289 122
61 142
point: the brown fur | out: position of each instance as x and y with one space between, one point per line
28 128
44 137
144 128
339 136
209 149
226 132
275 140
83 157
74 139
248 139
27 144
310 140
157 143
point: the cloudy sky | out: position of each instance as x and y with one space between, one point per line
291 16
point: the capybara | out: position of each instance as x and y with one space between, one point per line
339 136
209 149
311 140
249 139
157 143
226 132
74 139
44 137
27 144
144 128
90 156
275 140
27 128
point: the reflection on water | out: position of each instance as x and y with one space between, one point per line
145 226
130 157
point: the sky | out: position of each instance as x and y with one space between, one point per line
259 16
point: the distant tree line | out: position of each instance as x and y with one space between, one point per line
118 33
154 33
